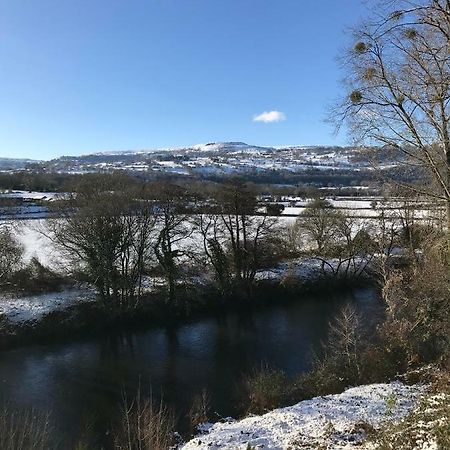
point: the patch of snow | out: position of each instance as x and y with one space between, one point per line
30 234
32 195
172 164
34 307
333 422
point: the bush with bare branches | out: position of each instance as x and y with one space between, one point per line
418 308
146 425
266 389
24 430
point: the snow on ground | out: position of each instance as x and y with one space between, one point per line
34 307
32 195
170 164
332 422
300 269
360 211
36 244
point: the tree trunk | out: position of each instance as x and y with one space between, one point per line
447 231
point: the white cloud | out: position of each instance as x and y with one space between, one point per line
270 116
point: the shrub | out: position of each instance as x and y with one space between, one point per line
266 389
200 409
426 427
418 310
146 425
37 278
319 381
271 251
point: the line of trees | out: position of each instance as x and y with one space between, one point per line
125 239
118 238
122 239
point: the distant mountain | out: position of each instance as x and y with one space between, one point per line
15 163
318 165
210 147
218 156
230 147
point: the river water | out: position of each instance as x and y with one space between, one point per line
83 381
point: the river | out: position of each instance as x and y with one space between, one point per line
83 381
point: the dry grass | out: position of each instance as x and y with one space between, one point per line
146 425
24 430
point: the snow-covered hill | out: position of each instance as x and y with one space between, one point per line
7 164
222 158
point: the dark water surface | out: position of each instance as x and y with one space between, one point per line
84 381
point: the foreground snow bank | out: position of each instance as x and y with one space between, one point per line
333 422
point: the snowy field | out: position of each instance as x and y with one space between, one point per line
369 207
31 195
368 213
330 422
30 233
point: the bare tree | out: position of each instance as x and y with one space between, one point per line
213 235
25 429
139 226
146 425
174 229
352 248
11 252
345 339
245 231
293 238
398 87
385 234
341 244
235 237
318 222
109 235
342 360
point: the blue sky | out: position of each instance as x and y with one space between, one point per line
81 76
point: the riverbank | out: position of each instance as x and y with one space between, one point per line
76 309
410 413
335 421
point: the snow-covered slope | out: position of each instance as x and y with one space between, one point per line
232 147
331 422
224 158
